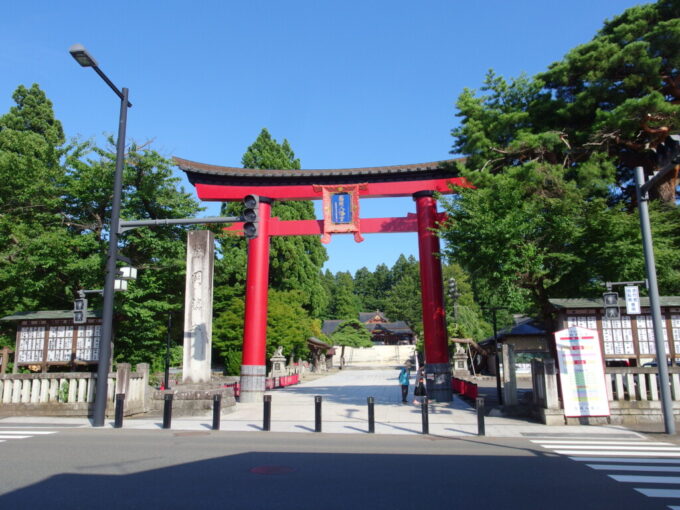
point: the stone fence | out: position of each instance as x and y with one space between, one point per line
72 393
633 394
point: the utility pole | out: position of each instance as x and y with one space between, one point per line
493 310
650 266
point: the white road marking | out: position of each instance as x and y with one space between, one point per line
620 452
588 443
635 467
639 461
645 479
659 493
32 432
13 436
632 448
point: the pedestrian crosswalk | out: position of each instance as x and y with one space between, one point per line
651 468
10 434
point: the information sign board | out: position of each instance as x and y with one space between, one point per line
632 300
582 379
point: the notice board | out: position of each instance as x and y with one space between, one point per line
582 379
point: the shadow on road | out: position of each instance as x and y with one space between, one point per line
275 480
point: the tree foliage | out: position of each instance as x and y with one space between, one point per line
297 294
617 95
352 333
551 156
55 208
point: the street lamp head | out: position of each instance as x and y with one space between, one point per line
82 56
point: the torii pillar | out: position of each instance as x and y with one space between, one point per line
437 367
253 366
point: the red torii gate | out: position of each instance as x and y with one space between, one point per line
340 189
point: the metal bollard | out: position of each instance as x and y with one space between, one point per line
317 414
267 418
217 408
371 415
167 410
426 418
120 405
479 404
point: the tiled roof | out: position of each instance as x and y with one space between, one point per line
367 316
329 326
48 314
229 171
565 303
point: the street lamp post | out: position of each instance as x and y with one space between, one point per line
81 55
499 391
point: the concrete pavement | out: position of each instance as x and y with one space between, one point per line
345 411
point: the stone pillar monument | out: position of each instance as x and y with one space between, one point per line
198 299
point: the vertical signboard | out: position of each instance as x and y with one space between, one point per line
632 300
581 372
341 208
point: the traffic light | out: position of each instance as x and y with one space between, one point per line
453 288
251 216
80 311
611 305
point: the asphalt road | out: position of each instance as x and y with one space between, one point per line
75 468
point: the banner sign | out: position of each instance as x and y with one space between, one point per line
341 210
582 378
632 300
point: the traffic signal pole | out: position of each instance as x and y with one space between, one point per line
650 266
255 320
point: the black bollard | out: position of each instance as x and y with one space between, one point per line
317 414
267 418
371 415
217 405
120 405
167 410
426 418
481 431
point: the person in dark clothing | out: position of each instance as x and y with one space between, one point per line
420 389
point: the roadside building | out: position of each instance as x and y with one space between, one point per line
383 331
49 338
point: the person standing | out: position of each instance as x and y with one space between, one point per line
420 389
404 377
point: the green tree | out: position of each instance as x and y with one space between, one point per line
616 96
295 263
552 156
464 317
620 92
345 303
352 333
33 240
150 191
403 299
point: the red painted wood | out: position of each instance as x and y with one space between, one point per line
257 284
434 320
217 192
315 227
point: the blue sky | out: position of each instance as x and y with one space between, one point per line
349 84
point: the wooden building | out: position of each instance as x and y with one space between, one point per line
383 331
629 339
51 339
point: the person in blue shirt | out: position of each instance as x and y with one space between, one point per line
404 376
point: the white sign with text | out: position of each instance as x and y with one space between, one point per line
632 300
581 372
